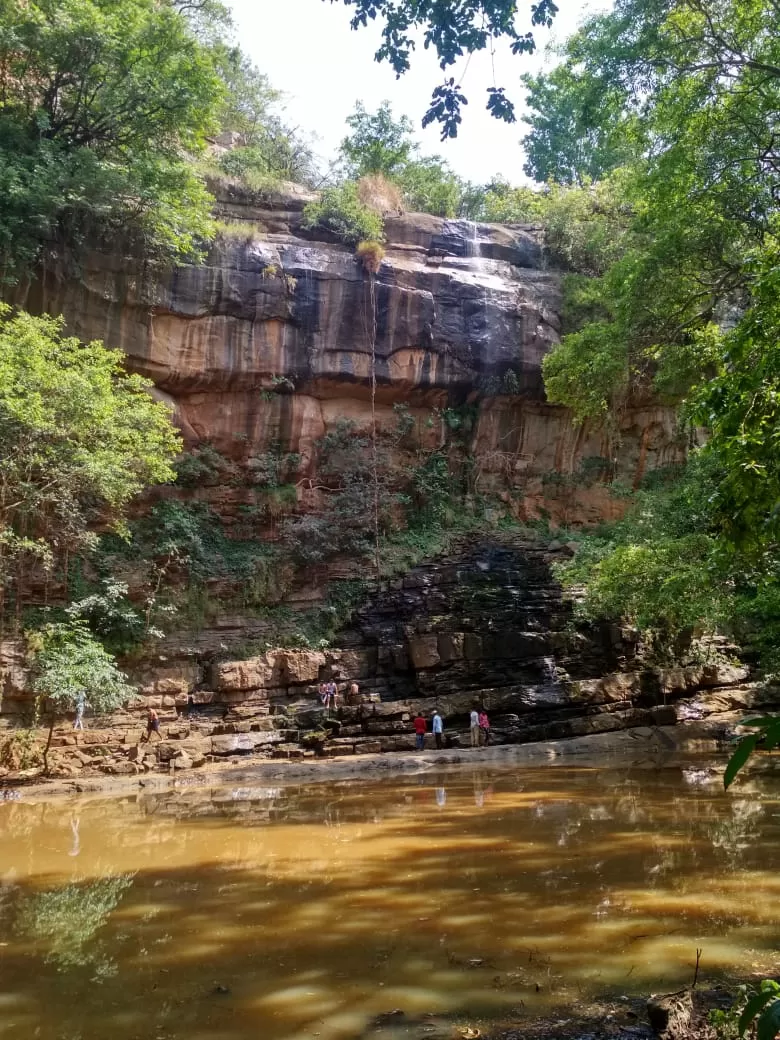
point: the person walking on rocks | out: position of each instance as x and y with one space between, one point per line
437 726
484 727
81 700
474 727
419 730
152 725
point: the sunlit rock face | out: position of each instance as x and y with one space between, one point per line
268 342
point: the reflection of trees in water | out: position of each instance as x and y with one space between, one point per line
66 919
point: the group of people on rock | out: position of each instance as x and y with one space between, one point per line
328 693
479 729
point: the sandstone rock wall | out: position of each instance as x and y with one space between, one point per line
267 344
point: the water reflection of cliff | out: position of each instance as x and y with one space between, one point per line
578 806
454 888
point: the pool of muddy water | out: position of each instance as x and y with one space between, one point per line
230 912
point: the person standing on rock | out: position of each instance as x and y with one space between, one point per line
484 727
81 700
474 727
437 726
419 729
152 725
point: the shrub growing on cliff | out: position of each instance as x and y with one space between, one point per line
371 255
340 211
79 438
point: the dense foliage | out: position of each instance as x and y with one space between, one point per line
104 107
381 145
79 438
99 101
340 211
71 665
661 118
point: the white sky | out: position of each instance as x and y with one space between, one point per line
307 49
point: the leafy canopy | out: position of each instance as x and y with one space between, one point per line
106 108
673 287
72 666
451 30
381 145
99 101
79 438
340 211
378 142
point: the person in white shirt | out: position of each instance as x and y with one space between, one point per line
474 727
437 728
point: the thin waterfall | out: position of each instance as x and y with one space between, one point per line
550 671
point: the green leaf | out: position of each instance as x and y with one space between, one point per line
752 1008
769 1022
772 737
742 753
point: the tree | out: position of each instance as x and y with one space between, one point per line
340 211
678 297
582 128
700 85
249 99
378 142
79 439
429 186
249 107
452 30
99 102
72 667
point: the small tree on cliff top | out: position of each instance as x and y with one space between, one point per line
79 438
71 666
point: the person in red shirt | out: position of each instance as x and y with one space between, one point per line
419 729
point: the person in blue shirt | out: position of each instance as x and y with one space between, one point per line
437 727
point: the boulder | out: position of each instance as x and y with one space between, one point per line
251 674
299 666
368 747
355 664
664 715
166 687
424 651
243 743
119 768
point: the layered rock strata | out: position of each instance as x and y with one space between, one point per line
269 345
486 627
266 345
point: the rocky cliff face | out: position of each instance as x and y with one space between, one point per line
266 348
267 345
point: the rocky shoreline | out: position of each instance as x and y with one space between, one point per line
644 746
